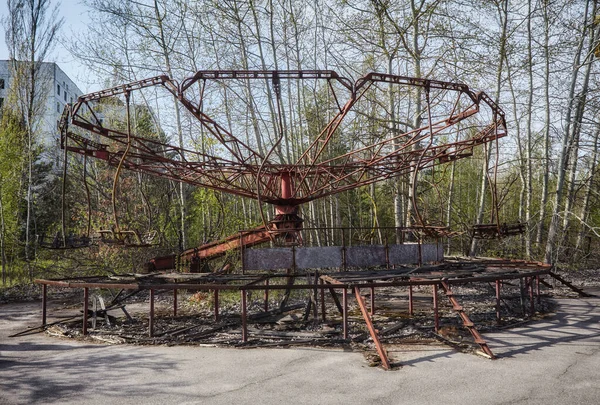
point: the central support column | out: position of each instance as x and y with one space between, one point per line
286 185
286 218
286 210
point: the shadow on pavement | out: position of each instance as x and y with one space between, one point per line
577 323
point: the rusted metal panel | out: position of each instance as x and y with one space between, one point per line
268 259
430 253
404 254
318 257
365 256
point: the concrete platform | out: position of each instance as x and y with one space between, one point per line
551 361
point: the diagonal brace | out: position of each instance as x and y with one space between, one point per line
374 333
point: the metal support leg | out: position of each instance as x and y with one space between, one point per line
410 301
85 310
531 300
537 288
315 297
522 296
244 318
498 317
151 318
175 302
44 303
436 316
323 309
267 296
336 300
345 312
372 301
216 304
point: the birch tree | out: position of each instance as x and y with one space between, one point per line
31 32
570 132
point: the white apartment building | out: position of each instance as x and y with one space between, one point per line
59 90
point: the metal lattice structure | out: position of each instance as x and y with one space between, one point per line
286 138
351 139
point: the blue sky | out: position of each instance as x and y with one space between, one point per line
75 16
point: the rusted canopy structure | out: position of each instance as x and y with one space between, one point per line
341 146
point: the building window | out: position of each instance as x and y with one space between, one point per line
1 84
58 89
65 96
57 107
1 103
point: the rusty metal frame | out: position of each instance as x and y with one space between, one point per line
443 275
244 169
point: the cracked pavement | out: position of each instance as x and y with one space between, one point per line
554 360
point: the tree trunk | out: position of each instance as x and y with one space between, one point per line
528 157
503 13
574 147
563 163
546 164
585 208
2 240
182 197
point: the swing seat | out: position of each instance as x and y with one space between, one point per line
432 231
72 242
149 238
493 231
109 237
128 238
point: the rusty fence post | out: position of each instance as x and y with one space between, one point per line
175 302
522 296
372 301
410 301
323 309
498 316
244 317
315 296
435 309
345 312
216 304
85 310
267 296
44 303
151 317
531 299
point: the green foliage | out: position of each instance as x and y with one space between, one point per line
12 147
